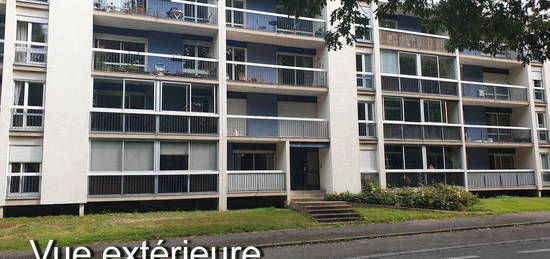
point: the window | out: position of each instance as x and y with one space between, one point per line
443 158
545 159
367 161
389 62
31 39
363 27
541 127
412 111
447 67
364 71
234 18
407 64
175 97
393 109
139 156
293 76
499 119
394 157
403 157
434 111
28 104
389 23
202 98
250 160
367 127
501 161
120 61
429 66
236 72
25 167
196 68
138 95
538 86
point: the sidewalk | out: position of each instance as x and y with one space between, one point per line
334 234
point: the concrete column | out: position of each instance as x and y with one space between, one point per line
1 212
464 155
6 96
283 163
67 103
220 42
81 209
533 124
378 102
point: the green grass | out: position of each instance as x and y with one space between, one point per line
383 215
103 228
507 204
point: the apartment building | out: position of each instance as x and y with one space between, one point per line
151 100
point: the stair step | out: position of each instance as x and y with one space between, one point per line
311 203
346 219
336 215
332 210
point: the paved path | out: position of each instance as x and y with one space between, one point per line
332 234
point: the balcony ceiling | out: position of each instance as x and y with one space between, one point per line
489 62
272 38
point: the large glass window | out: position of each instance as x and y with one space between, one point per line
407 64
447 67
254 161
501 161
413 157
28 104
429 66
393 109
389 62
106 156
108 93
139 95
236 72
412 110
202 98
175 97
174 156
499 119
394 157
433 111
138 156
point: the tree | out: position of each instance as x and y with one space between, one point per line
489 26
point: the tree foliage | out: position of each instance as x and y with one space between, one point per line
489 26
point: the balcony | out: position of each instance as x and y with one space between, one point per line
413 40
173 123
275 23
422 85
397 179
28 53
494 92
256 181
497 134
276 74
279 127
151 184
486 179
27 119
132 62
23 186
399 130
174 10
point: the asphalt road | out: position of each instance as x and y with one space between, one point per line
513 242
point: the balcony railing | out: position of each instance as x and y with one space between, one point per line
413 40
282 127
479 179
416 84
400 130
123 61
179 10
497 134
154 123
151 184
409 178
23 186
273 22
497 92
503 55
27 119
276 74
365 81
256 181
31 53
367 130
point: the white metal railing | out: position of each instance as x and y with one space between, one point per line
31 53
180 10
152 183
500 178
484 133
256 181
365 81
413 40
151 122
23 185
276 74
430 131
154 63
27 119
284 127
273 22
499 92
419 84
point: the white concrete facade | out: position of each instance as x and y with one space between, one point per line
316 113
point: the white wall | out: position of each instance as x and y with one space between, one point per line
68 99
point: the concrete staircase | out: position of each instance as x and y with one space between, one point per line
323 211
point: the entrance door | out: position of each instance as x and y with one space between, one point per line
304 169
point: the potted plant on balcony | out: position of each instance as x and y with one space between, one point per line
242 76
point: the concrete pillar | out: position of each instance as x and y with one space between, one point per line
1 212
464 157
283 163
81 209
220 42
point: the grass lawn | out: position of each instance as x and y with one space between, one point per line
507 204
382 215
103 228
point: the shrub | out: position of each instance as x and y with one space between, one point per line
438 196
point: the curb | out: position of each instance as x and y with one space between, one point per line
352 238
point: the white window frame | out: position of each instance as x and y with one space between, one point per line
30 47
195 45
22 174
26 107
253 153
542 131
232 16
363 74
233 66
365 11
368 107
